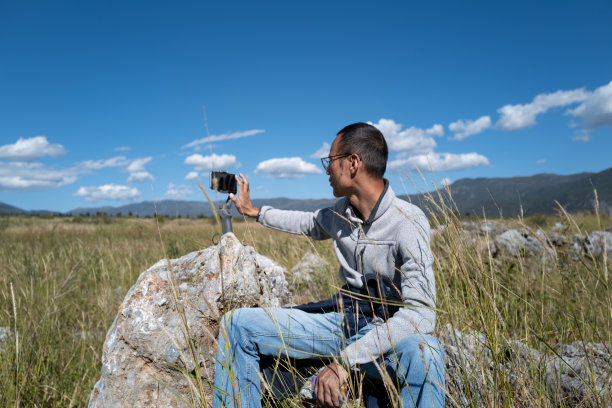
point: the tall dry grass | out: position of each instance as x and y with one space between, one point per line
62 280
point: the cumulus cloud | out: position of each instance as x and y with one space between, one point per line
123 149
463 129
445 182
211 162
413 140
192 175
26 176
225 136
89 165
286 167
322 152
138 164
30 149
596 110
583 136
139 177
113 192
435 130
515 117
178 192
439 162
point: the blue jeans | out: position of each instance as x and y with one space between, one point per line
416 364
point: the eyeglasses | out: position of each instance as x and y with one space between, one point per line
326 161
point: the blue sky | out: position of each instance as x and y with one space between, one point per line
101 103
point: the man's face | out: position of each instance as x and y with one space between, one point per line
337 169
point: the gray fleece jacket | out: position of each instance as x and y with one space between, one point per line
394 242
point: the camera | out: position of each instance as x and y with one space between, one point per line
223 182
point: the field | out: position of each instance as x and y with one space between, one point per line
62 280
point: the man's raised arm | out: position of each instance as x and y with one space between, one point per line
293 222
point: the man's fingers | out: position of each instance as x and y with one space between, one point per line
244 178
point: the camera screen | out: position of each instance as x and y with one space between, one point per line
223 182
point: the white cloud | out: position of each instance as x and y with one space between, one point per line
445 182
138 164
123 149
413 140
463 129
596 110
582 136
89 165
112 192
439 162
225 136
322 152
178 192
286 167
435 130
211 162
541 161
30 149
25 176
139 177
192 175
515 117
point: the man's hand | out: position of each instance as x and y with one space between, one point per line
243 201
330 385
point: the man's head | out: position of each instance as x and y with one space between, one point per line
358 155
368 143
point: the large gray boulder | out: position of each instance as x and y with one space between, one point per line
146 358
519 242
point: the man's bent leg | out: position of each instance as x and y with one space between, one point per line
245 334
417 365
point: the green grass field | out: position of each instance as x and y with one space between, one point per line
62 280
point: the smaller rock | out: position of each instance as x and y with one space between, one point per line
599 242
558 226
492 228
519 242
308 267
553 239
5 336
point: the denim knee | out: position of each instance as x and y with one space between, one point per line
418 351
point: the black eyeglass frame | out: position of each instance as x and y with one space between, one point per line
326 161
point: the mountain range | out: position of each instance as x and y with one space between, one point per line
493 197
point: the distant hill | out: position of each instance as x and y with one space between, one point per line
535 194
491 196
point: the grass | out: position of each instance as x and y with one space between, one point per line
62 280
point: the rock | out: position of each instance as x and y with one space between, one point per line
579 373
599 242
553 239
558 226
5 337
482 244
492 228
307 268
574 374
146 344
469 225
519 242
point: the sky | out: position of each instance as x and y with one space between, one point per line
114 102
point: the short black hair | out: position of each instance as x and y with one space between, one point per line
367 141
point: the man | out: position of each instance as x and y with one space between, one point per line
374 234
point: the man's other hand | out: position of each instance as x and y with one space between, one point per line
331 385
243 201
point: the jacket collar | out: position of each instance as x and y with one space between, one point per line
382 205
